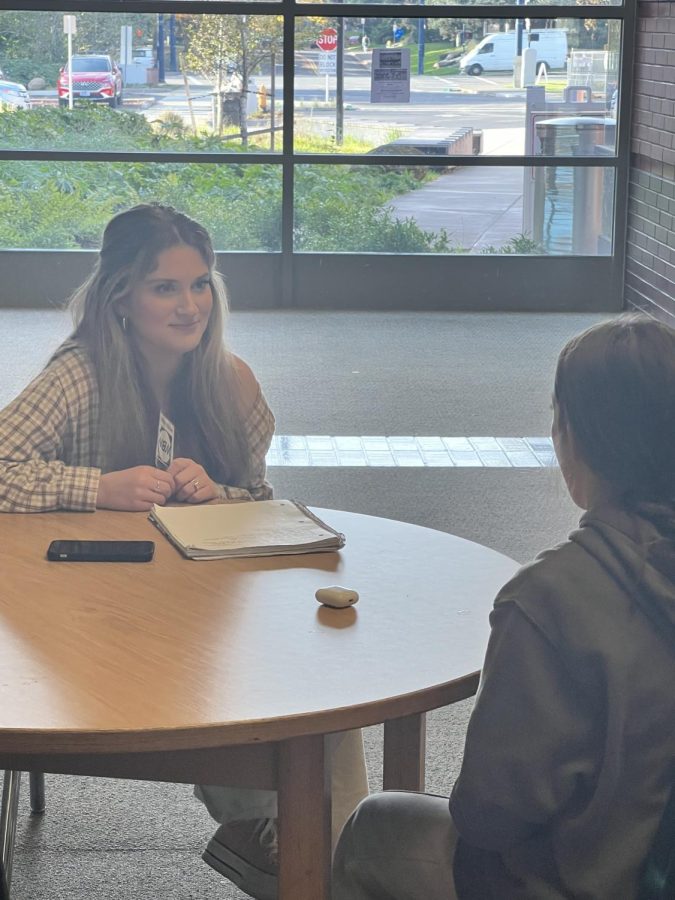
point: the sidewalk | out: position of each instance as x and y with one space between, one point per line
478 207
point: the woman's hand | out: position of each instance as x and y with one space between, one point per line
136 489
192 484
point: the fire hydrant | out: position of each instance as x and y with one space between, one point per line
262 99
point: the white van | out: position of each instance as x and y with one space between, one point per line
496 52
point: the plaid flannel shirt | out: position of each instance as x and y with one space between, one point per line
49 453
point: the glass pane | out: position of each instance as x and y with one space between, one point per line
550 210
451 86
66 205
211 90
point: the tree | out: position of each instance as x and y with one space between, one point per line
39 36
223 46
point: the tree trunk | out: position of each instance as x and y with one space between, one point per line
243 103
243 100
218 123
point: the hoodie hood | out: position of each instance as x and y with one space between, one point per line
638 552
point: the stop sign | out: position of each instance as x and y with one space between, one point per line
327 40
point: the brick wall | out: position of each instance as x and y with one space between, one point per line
650 259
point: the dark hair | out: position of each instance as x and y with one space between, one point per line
615 391
206 387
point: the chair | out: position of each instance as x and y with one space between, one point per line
8 814
658 876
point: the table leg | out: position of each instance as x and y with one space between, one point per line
304 819
37 792
404 745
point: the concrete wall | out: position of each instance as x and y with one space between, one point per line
650 260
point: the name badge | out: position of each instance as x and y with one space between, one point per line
165 439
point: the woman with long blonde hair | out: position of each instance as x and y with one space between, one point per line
148 339
144 404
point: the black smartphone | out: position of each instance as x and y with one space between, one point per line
101 551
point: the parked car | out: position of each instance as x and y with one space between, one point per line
13 95
496 52
95 77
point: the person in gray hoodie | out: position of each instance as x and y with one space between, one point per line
568 761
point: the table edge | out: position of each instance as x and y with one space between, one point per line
236 733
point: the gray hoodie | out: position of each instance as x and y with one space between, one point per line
570 748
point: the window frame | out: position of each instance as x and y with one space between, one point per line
375 281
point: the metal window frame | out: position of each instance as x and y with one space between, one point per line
386 281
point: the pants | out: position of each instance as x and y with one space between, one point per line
397 846
349 785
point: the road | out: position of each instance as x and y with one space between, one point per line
438 106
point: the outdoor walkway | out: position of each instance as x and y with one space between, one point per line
478 207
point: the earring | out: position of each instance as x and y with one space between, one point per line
124 323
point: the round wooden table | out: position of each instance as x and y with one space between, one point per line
229 671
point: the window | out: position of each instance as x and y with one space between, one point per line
92 64
386 137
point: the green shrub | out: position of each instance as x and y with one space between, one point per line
519 244
67 204
340 210
23 70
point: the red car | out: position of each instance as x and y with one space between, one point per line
95 77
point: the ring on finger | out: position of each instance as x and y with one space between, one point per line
196 485
157 486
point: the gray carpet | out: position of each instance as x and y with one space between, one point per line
515 511
324 373
406 373
368 373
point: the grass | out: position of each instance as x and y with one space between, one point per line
554 83
433 53
315 143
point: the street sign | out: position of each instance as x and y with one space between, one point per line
327 40
390 76
69 25
327 63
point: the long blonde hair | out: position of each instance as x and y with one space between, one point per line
204 393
